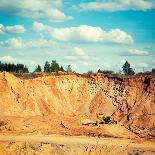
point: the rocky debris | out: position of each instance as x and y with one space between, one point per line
136 152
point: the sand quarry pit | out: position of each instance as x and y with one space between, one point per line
45 114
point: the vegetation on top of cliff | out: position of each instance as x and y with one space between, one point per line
106 71
127 69
15 68
69 68
38 69
55 69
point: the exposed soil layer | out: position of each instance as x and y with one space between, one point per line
58 104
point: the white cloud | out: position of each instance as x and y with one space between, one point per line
80 52
136 52
85 33
8 59
38 27
18 43
12 29
14 43
76 54
15 29
35 9
56 15
116 5
81 33
2 29
40 43
70 57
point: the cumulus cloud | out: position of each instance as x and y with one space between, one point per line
2 29
38 27
81 33
116 5
71 57
80 52
11 59
35 9
77 54
18 43
15 29
136 52
8 59
40 43
14 43
85 33
12 29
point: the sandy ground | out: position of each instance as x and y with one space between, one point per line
51 136
64 126
73 145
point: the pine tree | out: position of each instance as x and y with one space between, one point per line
25 69
54 66
127 69
19 68
69 68
47 67
61 69
38 69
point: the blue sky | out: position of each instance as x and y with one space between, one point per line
88 34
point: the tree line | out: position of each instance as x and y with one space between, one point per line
55 67
20 68
126 69
52 67
15 68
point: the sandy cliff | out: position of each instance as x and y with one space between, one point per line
130 101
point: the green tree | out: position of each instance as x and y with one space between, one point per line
153 70
99 71
25 69
69 68
47 67
127 69
105 71
19 68
61 69
38 69
89 72
54 66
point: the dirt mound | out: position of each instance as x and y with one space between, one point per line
129 101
